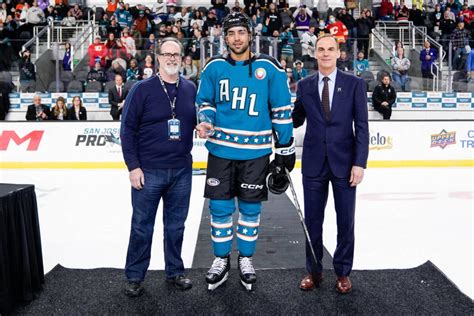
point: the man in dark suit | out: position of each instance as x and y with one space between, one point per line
37 111
117 97
335 149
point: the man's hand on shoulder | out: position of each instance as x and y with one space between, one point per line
137 178
357 175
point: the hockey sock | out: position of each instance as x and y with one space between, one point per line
221 226
247 228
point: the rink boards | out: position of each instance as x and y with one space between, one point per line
84 145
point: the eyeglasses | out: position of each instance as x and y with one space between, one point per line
169 55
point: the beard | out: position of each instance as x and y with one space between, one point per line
171 69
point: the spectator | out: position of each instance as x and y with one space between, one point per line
365 24
470 65
466 15
118 67
197 19
117 97
35 15
69 20
219 7
137 37
111 7
42 4
110 43
322 29
272 21
302 18
185 16
348 20
104 23
67 58
195 48
291 81
143 25
188 69
344 63
427 56
416 16
287 41
449 14
134 72
129 42
400 67
148 67
59 110
150 42
115 28
3 12
308 44
37 111
76 12
97 52
435 18
117 52
398 44
96 74
77 112
282 5
386 10
384 96
61 9
338 30
401 12
27 71
447 28
298 71
210 21
459 39
323 8
124 18
361 64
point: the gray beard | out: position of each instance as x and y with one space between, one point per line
171 70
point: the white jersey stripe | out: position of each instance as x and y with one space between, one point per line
221 225
242 132
222 239
247 238
241 146
248 224
282 108
287 121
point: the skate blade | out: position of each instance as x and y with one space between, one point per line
247 286
212 287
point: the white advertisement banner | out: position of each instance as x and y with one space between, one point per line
83 144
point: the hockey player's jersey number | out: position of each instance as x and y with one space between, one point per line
239 97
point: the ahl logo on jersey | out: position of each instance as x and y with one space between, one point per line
260 73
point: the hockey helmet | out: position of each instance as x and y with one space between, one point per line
277 184
236 19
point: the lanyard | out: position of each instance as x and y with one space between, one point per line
172 103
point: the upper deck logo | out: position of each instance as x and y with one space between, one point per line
260 73
443 139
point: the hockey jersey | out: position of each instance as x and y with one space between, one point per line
244 109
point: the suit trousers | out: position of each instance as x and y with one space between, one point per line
316 191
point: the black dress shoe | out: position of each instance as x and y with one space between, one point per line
134 289
180 282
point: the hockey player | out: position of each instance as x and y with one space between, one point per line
244 98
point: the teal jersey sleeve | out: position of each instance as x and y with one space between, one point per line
205 99
281 106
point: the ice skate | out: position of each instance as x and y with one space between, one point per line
247 272
218 273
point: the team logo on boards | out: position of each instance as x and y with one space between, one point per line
378 141
97 137
260 73
443 139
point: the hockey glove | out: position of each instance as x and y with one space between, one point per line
285 157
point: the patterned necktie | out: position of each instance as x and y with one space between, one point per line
325 99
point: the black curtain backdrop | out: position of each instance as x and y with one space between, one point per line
21 261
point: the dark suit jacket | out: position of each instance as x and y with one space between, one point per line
31 112
115 99
71 114
345 138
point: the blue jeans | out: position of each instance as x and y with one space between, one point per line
174 187
401 79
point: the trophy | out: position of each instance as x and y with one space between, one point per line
203 118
